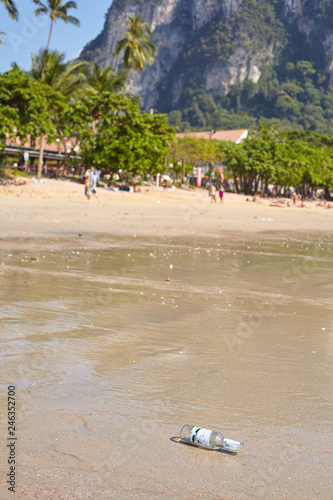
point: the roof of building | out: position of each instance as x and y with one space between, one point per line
54 146
235 136
51 151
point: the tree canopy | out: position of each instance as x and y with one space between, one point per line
110 129
27 102
291 159
119 136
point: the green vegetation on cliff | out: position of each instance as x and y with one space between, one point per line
293 91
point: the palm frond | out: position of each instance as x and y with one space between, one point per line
70 5
73 20
68 79
41 4
40 11
121 45
11 8
105 79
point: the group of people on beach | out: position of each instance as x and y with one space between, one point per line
212 193
295 199
92 178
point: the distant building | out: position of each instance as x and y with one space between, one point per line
204 173
235 136
53 153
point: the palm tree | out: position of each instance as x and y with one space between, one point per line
11 8
68 79
105 79
137 46
55 10
49 67
12 11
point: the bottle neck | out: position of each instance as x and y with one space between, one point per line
231 445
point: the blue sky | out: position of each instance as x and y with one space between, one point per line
30 34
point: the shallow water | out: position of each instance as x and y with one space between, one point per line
110 360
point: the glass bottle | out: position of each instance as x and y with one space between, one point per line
208 439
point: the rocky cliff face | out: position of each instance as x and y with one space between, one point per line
217 42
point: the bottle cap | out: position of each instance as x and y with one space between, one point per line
231 445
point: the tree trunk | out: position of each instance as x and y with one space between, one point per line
66 154
40 158
247 185
236 183
48 42
244 184
256 183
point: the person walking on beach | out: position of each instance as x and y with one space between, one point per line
87 190
212 193
93 184
90 185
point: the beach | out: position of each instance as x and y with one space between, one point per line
59 207
126 319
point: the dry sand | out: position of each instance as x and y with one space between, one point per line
60 208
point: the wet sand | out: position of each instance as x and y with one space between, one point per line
110 359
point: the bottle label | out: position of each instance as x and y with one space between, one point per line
200 436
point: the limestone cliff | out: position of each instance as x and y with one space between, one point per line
216 42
